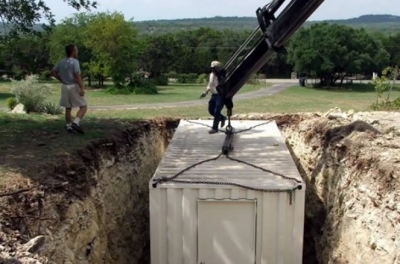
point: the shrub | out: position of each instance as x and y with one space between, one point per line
386 105
11 102
45 75
138 85
161 80
202 79
187 78
261 76
51 108
172 74
30 93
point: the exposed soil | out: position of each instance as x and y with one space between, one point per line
92 207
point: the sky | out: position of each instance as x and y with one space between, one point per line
141 10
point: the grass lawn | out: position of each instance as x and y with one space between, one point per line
98 97
294 99
31 139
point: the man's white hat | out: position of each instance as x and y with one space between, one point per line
215 64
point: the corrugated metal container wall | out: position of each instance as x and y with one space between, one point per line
211 223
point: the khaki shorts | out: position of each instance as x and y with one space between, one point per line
70 97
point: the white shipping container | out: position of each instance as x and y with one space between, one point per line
210 223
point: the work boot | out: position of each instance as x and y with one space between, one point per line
213 131
223 123
77 128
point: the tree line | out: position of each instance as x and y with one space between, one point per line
386 24
111 47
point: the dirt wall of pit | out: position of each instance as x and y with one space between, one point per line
93 206
351 164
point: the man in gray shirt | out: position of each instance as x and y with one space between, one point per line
68 72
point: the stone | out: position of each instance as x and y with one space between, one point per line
29 261
350 112
34 245
18 109
337 116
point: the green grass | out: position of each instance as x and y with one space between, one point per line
35 138
98 97
295 99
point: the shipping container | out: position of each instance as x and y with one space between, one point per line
225 210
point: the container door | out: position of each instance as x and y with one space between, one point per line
227 231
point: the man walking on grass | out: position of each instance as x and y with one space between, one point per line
68 72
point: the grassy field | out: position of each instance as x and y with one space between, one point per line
29 139
98 97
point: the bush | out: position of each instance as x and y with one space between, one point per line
187 78
161 80
51 108
138 85
386 105
19 75
45 75
30 93
261 76
11 102
202 79
172 74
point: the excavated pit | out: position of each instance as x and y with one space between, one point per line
94 208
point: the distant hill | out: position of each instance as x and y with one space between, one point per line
382 23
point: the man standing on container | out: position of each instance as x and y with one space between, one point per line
68 72
216 104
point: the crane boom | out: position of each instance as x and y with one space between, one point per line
276 32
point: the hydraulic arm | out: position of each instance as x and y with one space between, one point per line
276 31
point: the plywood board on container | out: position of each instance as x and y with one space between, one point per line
263 146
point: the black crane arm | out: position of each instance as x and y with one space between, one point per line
275 34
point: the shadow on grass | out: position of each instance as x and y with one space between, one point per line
4 96
27 140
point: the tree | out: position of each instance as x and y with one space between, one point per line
112 40
73 31
18 17
392 45
332 52
161 52
25 55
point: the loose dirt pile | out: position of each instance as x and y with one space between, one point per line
94 208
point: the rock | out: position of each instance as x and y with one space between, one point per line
373 121
337 116
350 112
18 109
28 261
34 245
71 173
